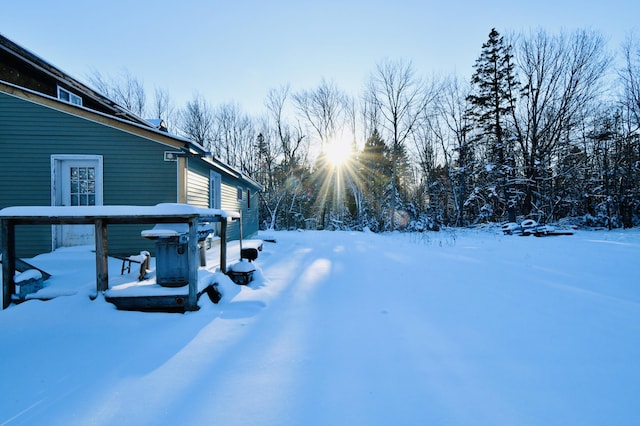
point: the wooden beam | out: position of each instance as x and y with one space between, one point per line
8 261
90 220
102 256
240 220
158 303
223 245
22 266
182 179
194 262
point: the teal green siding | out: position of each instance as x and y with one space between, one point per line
135 172
251 214
198 182
230 201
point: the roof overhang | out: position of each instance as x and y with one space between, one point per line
105 119
57 74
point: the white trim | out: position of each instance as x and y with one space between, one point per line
56 180
215 190
56 162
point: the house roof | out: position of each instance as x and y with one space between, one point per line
110 112
46 68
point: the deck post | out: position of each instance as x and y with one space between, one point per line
240 233
223 244
8 261
194 261
102 259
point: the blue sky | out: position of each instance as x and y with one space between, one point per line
238 50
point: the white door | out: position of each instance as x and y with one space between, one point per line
77 181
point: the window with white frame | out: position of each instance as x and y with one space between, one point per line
239 193
67 96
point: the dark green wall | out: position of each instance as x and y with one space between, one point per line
135 172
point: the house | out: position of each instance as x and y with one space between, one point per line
62 143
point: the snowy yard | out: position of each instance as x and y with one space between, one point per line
464 327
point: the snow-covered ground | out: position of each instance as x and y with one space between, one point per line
464 327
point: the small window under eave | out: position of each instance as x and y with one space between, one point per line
67 96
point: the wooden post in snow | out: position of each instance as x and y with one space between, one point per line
8 237
193 260
102 260
223 244
240 234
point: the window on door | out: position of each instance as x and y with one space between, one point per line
76 180
82 189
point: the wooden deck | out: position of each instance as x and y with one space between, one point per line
100 217
132 294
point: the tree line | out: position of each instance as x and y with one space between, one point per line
547 127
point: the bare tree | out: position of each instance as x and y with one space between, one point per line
284 149
630 78
292 139
126 90
629 182
443 150
325 109
353 176
268 151
399 97
457 149
162 108
234 137
196 121
560 76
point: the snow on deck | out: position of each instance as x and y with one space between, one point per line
67 282
148 287
165 209
206 275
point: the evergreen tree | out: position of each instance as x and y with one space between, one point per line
376 171
492 102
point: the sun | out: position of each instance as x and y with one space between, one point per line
338 153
